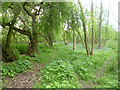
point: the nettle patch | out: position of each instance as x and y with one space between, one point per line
59 74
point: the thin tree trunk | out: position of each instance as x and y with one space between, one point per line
81 38
84 27
106 29
65 38
92 49
100 31
49 40
74 40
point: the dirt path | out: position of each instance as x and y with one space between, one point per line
25 80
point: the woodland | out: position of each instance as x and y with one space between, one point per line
57 45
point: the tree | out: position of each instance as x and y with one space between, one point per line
100 25
84 28
73 20
8 54
107 23
92 17
33 36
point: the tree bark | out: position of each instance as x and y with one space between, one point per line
33 45
84 27
82 41
74 40
49 40
106 29
92 16
65 37
8 54
100 31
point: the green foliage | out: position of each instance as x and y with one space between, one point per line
113 44
13 68
113 67
86 66
107 82
22 48
59 74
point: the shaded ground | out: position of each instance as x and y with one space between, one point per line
26 79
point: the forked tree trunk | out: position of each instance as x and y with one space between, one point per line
8 54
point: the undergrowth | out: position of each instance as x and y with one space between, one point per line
59 74
64 66
84 66
13 68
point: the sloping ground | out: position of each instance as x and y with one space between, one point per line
24 80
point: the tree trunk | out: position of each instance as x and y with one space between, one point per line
100 31
8 54
85 32
92 49
33 46
106 29
81 38
74 40
65 38
49 40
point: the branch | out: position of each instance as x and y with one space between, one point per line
22 31
24 23
40 7
4 24
27 11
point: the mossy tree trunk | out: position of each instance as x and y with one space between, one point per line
9 54
33 45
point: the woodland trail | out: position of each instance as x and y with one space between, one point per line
26 79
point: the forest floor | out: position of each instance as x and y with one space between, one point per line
99 74
25 79
28 79
31 77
